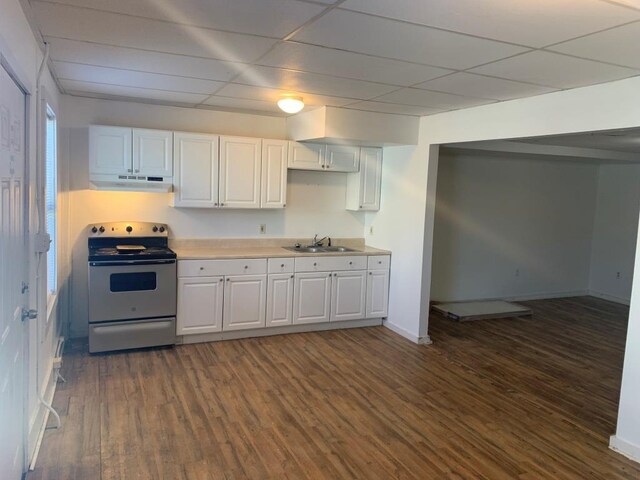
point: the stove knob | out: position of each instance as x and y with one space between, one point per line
155 229
101 229
161 229
129 229
94 229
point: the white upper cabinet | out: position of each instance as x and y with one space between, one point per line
240 169
110 150
363 187
306 156
342 158
196 170
273 188
152 152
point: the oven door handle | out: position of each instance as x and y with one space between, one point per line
131 262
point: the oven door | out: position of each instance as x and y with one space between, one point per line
126 291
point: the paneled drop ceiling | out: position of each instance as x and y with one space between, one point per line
415 57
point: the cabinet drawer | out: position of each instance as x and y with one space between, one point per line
379 262
205 268
280 265
330 264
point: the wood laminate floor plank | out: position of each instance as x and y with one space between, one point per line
524 398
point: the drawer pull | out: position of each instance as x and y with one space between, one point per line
315 264
370 273
291 276
201 268
246 266
350 263
282 266
379 262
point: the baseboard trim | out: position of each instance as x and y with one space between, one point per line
629 450
266 332
610 298
424 340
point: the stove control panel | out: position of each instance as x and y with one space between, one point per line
128 229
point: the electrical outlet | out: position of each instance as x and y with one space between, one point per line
618 275
371 230
517 272
263 229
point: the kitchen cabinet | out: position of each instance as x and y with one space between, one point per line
244 302
196 170
342 158
273 185
279 299
323 157
110 150
199 305
348 294
130 151
152 152
364 186
306 156
240 172
378 286
312 297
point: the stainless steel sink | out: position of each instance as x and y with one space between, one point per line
311 249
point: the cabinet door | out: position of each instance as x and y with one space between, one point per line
110 150
348 296
240 172
195 179
377 293
279 300
152 152
199 305
273 186
306 156
370 178
312 298
342 158
244 302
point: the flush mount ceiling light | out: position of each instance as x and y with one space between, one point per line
290 104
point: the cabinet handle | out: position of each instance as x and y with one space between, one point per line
350 263
201 268
335 274
323 166
222 204
370 273
228 279
360 206
215 204
246 266
315 264
282 265
129 170
220 280
291 276
379 262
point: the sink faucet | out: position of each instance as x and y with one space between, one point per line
316 242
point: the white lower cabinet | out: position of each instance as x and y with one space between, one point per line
312 298
279 300
377 294
199 305
244 302
348 293
228 295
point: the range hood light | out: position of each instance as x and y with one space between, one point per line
291 104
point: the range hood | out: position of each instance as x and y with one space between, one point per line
131 183
353 127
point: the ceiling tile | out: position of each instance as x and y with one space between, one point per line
425 98
618 45
388 38
243 104
142 60
553 70
393 108
272 95
125 31
129 78
472 85
311 82
534 23
272 18
73 86
311 58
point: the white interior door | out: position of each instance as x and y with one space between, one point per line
13 259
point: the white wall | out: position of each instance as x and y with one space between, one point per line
20 47
315 200
512 227
615 232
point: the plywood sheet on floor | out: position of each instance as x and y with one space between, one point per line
479 310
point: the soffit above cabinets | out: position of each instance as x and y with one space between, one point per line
408 57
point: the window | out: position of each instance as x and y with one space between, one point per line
51 198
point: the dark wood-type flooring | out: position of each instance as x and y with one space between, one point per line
512 398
